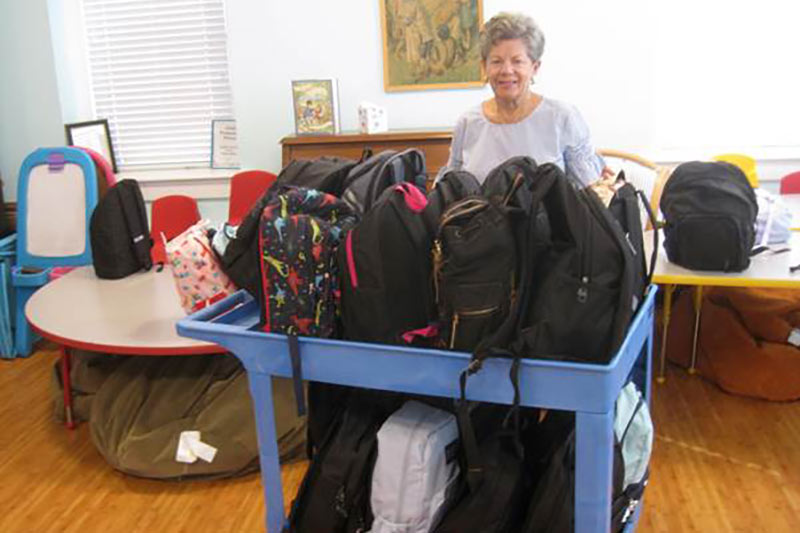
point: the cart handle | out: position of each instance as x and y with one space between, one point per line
218 309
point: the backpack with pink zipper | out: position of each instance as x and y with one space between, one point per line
198 276
385 265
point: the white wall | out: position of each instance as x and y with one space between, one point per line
30 115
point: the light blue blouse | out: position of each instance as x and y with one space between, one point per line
554 132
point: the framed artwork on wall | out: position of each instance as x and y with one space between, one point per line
431 44
93 134
316 106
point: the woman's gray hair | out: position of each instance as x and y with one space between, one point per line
504 26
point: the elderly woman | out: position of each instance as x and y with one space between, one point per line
517 121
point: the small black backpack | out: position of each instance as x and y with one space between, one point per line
475 267
119 232
334 494
710 212
385 271
366 181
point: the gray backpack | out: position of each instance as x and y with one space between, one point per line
366 181
416 472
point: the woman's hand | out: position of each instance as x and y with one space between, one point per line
607 173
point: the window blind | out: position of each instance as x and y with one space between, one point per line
159 74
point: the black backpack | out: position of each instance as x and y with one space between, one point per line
475 267
119 232
366 181
551 459
710 212
241 261
624 206
326 173
454 185
493 489
334 494
385 271
577 272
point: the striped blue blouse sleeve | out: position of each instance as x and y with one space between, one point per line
581 162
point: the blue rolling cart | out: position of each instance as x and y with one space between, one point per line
589 390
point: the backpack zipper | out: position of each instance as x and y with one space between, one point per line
457 318
585 271
438 263
351 261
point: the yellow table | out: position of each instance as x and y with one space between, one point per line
767 269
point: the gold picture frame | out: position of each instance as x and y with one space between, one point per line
431 44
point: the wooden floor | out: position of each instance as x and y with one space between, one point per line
721 463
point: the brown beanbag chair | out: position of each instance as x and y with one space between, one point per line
141 409
742 345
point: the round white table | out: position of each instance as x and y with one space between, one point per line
135 315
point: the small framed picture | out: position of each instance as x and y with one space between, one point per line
224 144
316 107
93 134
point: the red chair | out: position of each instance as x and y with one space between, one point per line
246 188
790 183
170 215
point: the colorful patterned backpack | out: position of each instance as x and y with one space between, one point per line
199 278
299 233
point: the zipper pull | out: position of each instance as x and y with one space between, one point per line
438 258
583 292
453 330
339 502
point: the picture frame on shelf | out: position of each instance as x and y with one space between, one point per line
94 134
224 144
316 106
429 44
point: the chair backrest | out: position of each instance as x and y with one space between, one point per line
746 163
170 215
790 183
246 188
644 174
57 192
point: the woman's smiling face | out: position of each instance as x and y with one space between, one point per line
510 70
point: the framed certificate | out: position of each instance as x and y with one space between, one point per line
93 134
224 144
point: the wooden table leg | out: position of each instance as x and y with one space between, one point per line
698 304
668 290
67 386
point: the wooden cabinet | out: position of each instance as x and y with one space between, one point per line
434 143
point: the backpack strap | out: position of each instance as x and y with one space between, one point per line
132 204
631 206
654 254
470 442
475 466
